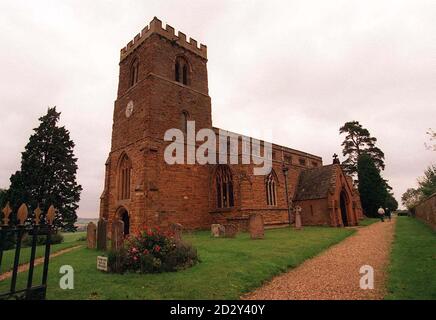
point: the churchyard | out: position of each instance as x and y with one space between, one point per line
229 267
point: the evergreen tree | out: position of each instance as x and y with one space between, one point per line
48 173
357 142
391 202
427 183
432 144
372 187
3 195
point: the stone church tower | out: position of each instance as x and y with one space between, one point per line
162 84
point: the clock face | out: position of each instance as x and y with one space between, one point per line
129 109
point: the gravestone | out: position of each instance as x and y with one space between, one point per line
117 235
230 230
102 235
256 226
91 234
217 231
298 223
176 229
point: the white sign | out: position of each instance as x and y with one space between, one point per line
102 263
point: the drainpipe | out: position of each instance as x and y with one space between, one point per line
285 173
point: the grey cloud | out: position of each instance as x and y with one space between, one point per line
302 68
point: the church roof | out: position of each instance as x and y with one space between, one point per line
274 145
315 183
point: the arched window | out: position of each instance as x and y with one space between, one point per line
185 74
124 176
224 187
271 189
177 71
184 121
134 72
182 70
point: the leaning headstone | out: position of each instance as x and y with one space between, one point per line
91 234
230 230
117 235
256 226
298 223
176 229
217 231
102 235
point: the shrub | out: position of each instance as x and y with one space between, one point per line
117 261
403 213
9 241
56 238
183 256
152 251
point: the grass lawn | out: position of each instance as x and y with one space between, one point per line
70 240
229 267
74 236
368 221
412 273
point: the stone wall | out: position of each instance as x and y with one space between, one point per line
426 211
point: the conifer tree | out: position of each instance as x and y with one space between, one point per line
358 141
372 187
427 183
48 173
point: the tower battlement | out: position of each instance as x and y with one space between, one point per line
168 32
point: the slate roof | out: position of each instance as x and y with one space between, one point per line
315 183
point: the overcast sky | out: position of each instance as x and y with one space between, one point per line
301 68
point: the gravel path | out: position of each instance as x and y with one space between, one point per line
334 274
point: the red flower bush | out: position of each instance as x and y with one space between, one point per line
153 251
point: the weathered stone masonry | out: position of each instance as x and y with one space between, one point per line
163 83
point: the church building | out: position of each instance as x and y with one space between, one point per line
163 84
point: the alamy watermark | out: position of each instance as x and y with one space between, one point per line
66 282
223 148
367 279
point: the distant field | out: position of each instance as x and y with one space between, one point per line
82 223
73 236
86 220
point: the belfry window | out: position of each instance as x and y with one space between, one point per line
124 178
182 71
177 77
224 187
134 73
185 74
271 189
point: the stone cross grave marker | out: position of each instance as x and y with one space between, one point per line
298 223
